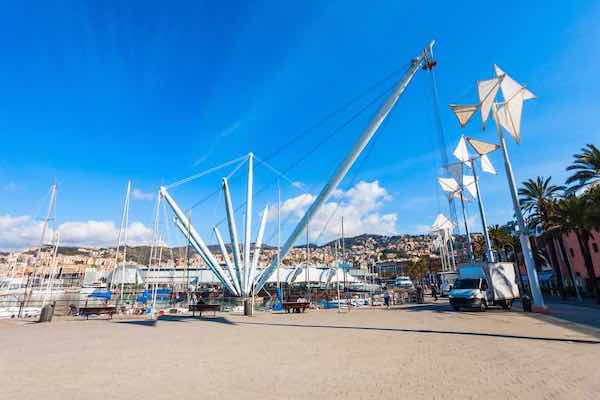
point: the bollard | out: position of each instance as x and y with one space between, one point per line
526 303
248 307
46 313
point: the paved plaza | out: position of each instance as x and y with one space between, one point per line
413 351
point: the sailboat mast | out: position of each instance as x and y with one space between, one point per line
49 213
33 276
125 226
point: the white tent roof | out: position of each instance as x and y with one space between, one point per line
285 275
314 275
339 277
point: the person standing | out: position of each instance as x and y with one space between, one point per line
420 297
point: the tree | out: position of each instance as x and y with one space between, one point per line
558 230
418 269
500 239
592 194
536 197
478 243
575 214
586 168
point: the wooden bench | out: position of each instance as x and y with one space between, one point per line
297 307
200 308
97 310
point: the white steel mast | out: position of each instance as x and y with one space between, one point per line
279 237
536 293
248 226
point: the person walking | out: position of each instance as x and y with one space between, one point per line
386 297
434 293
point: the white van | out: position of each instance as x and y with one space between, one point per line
483 285
404 282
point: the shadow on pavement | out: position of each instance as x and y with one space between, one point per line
176 318
444 307
428 331
575 317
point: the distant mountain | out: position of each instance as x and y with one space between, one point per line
141 254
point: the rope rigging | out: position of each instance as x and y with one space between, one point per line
441 134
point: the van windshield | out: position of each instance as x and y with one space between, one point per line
466 284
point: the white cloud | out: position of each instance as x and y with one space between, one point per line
20 232
296 206
138 194
358 205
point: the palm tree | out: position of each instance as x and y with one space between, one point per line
556 229
574 214
500 239
593 196
586 168
536 198
478 244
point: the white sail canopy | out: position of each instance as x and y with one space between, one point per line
510 87
449 184
442 223
481 147
464 113
461 152
469 184
487 166
487 93
509 116
509 113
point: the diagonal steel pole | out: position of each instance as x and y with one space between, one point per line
345 166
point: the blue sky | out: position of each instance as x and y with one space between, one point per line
94 93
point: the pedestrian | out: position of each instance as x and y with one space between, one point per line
434 293
386 297
419 294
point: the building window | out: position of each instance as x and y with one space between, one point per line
595 247
572 252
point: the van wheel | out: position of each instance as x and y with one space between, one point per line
456 308
505 304
483 306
